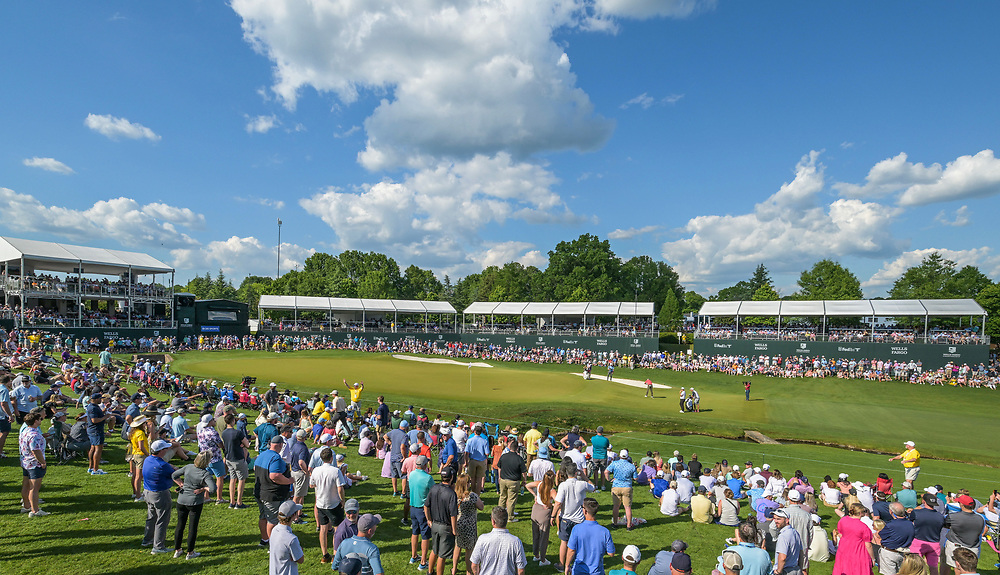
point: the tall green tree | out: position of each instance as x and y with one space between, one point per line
649 280
828 280
744 290
421 284
670 312
989 298
693 302
928 280
584 269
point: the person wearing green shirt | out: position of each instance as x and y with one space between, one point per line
630 558
420 483
600 446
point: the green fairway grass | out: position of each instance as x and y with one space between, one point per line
95 528
945 422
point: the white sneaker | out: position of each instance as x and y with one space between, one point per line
25 510
544 562
155 551
193 555
178 553
39 513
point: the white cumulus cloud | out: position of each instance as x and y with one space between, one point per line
121 219
643 100
238 257
115 128
261 124
436 214
959 219
627 234
49 165
891 270
794 226
498 254
643 9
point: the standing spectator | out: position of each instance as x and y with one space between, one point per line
157 480
349 526
568 508
588 544
911 461
545 444
361 547
95 432
25 395
420 483
624 473
855 553
469 506
31 443
966 530
235 445
477 450
801 521
544 492
498 552
441 510
273 485
299 452
599 457
897 534
927 525
266 430
271 398
397 449
384 417
788 548
210 442
325 479
7 412
531 438
285 551
512 472
138 438
197 483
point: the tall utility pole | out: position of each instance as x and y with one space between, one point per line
279 249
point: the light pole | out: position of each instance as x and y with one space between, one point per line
279 249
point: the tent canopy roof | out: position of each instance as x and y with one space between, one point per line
860 308
574 309
305 303
67 258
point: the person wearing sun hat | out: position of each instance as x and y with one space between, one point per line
911 461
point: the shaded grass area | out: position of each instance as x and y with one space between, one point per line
945 422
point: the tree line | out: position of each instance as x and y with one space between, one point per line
587 269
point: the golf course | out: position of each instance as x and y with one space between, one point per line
96 528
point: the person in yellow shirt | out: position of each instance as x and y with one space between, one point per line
531 438
138 451
355 389
319 408
702 508
911 461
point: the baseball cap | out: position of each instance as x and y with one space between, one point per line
325 437
368 521
907 484
272 415
207 417
676 452
340 457
685 473
351 505
794 495
421 460
277 439
702 489
965 500
241 416
600 428
816 518
909 443
460 423
272 384
300 434
932 490
756 469
678 546
631 554
351 566
780 513
623 453
414 448
335 392
404 424
159 445
289 508
731 560
844 476
681 562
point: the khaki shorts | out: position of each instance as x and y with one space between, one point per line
300 483
950 547
622 495
477 471
238 469
137 459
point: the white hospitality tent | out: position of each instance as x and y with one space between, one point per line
359 308
925 308
553 310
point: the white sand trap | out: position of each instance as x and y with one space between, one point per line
623 381
442 360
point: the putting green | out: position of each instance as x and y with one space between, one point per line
945 422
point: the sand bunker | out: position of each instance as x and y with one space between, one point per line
623 381
441 360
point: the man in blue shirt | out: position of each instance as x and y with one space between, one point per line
95 432
179 426
621 487
449 452
788 547
756 561
360 547
6 409
477 449
157 481
25 396
599 456
897 534
265 431
588 544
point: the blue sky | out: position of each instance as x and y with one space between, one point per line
455 135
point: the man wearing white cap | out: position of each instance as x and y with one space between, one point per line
911 461
621 473
630 557
788 547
